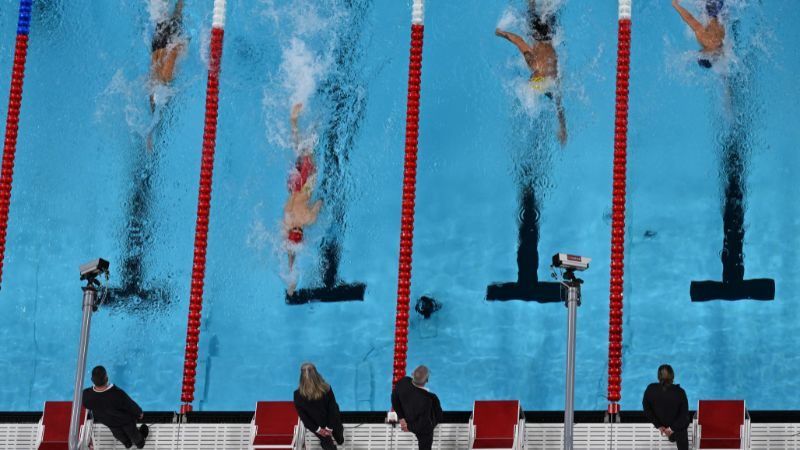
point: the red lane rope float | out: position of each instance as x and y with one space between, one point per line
409 194
203 208
618 212
12 121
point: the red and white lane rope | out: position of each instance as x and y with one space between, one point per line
12 120
203 207
618 209
409 193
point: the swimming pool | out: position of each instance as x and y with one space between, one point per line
85 186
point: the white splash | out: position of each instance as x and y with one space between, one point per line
133 95
306 58
531 102
511 19
158 9
301 70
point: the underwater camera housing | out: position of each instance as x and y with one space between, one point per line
94 268
571 262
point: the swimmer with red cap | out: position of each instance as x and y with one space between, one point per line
542 59
299 210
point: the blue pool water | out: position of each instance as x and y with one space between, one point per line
85 186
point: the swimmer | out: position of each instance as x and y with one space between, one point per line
542 59
299 211
711 37
165 50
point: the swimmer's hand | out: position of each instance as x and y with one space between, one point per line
499 32
676 3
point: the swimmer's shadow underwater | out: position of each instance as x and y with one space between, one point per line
347 105
332 289
527 287
733 170
134 292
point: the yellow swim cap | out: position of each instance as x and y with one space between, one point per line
541 84
537 83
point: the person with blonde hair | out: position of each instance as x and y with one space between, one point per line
316 405
666 406
418 409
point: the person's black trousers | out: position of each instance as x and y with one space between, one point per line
326 442
129 435
680 437
425 441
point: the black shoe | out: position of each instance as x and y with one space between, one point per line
144 430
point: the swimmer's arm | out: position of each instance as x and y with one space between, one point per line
295 130
315 211
514 39
696 26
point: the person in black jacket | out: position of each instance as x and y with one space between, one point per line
666 406
112 407
316 405
418 410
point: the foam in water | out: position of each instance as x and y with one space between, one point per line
511 19
158 9
302 65
134 98
301 70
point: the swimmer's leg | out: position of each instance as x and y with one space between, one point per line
155 73
292 282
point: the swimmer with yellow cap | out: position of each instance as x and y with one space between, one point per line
542 59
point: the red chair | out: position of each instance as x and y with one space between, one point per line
721 424
497 424
54 426
276 426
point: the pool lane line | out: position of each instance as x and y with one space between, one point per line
409 191
12 120
618 209
203 207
